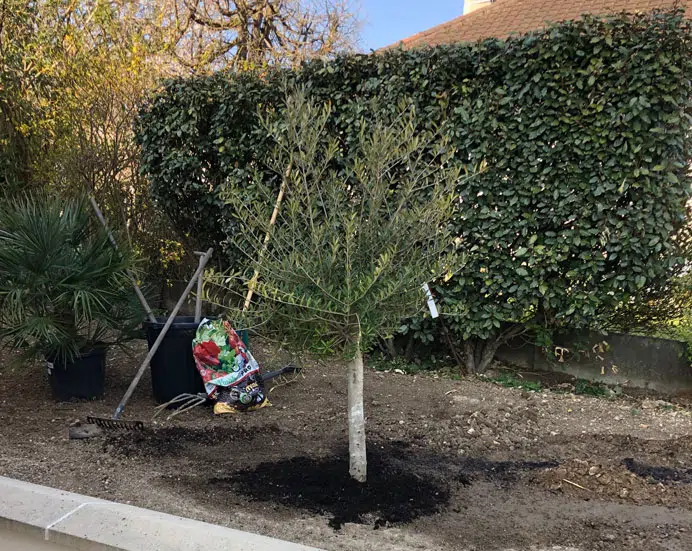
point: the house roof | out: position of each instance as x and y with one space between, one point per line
505 17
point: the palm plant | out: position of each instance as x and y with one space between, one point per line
64 289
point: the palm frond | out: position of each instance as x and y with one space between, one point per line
63 287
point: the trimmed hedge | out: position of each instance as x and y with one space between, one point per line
583 130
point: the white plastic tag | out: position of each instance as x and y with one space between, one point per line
431 301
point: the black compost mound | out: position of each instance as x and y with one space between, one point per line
324 486
403 483
665 475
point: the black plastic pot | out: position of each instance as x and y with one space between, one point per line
82 378
173 370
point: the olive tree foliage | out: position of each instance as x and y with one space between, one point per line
353 243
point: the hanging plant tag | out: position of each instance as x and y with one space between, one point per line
431 301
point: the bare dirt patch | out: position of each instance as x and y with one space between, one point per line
453 465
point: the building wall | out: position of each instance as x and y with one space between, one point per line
473 5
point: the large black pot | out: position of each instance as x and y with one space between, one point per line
81 378
173 370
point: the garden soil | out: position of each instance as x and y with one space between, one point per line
453 465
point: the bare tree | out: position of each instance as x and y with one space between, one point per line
249 33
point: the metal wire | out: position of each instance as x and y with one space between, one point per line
186 400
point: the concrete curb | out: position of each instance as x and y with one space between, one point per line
88 524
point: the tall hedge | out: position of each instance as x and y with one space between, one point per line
582 131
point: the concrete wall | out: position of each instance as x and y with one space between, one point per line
18 541
643 362
38 518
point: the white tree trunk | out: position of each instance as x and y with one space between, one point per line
356 419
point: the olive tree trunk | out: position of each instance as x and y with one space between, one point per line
356 419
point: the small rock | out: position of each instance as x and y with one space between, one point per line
486 431
401 422
624 493
609 537
82 432
593 470
603 479
465 400
471 431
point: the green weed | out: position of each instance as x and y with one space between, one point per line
589 388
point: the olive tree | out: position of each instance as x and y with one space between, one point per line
351 247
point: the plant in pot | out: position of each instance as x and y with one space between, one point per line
65 293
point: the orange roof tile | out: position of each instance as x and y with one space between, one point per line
506 17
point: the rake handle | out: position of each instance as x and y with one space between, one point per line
159 339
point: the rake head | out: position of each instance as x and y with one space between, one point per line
116 424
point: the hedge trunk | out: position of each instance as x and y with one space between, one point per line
356 419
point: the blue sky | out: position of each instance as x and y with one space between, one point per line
388 21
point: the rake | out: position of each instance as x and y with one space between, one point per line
114 422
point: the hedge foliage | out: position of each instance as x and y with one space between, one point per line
582 130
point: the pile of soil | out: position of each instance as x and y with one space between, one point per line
323 486
457 466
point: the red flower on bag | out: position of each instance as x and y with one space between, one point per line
207 352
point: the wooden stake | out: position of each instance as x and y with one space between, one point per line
253 282
200 288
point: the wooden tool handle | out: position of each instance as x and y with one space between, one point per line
159 339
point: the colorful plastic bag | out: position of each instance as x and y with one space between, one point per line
231 375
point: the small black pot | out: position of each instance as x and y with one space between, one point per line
81 378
